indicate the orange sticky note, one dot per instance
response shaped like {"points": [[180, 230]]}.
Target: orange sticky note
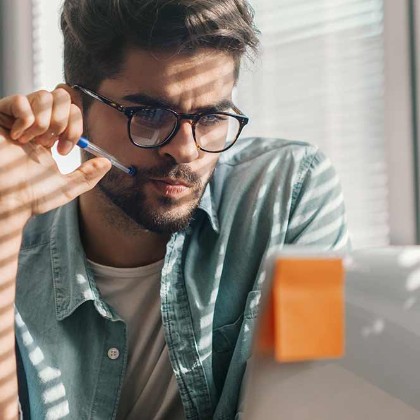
{"points": [[266, 335], [308, 309]]}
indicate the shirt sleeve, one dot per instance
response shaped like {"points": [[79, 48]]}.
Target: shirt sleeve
{"points": [[317, 215]]}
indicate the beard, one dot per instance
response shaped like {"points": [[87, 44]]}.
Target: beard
{"points": [[165, 215]]}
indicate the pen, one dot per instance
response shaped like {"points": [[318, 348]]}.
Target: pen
{"points": [[85, 144]]}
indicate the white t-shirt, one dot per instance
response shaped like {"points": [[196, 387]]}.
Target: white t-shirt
{"points": [[149, 389]]}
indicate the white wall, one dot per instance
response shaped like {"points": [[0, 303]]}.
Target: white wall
{"points": [[398, 124]]}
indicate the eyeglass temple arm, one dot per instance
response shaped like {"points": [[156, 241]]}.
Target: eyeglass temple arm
{"points": [[100, 98], [238, 111]]}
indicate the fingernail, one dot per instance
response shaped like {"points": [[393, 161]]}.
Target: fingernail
{"points": [[67, 146], [15, 135]]}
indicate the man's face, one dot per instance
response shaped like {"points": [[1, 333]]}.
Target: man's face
{"points": [[170, 180]]}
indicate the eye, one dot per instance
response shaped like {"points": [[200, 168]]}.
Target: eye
{"points": [[213, 119]]}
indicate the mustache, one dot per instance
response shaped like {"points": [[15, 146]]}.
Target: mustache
{"points": [[169, 170]]}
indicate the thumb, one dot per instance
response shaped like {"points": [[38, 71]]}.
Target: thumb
{"points": [[86, 176]]}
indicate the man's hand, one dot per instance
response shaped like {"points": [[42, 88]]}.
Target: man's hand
{"points": [[30, 183], [42, 117]]}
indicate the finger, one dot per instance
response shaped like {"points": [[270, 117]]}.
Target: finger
{"points": [[59, 118], [61, 111], [73, 131], [41, 103], [16, 115], [78, 182], [47, 139]]}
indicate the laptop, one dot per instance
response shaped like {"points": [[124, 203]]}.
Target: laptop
{"points": [[378, 377]]}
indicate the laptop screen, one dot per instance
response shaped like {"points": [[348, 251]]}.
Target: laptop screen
{"points": [[379, 375]]}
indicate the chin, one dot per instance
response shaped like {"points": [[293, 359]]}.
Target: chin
{"points": [[166, 224], [152, 215], [171, 220]]}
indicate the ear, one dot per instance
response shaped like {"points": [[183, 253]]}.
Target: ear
{"points": [[76, 95]]}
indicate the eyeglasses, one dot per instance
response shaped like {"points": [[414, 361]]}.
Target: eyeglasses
{"points": [[151, 127]]}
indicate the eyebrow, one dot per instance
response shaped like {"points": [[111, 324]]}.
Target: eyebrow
{"points": [[143, 99]]}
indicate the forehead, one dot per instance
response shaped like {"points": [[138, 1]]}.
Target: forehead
{"points": [[189, 81]]}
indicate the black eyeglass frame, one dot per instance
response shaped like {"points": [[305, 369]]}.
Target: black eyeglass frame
{"points": [[130, 111]]}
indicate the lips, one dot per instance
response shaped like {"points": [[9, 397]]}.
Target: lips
{"points": [[169, 187], [172, 182]]}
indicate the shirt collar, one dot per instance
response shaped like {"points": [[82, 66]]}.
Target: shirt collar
{"points": [[73, 280], [207, 205]]}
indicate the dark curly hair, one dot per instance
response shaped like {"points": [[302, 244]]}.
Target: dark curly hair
{"points": [[98, 32]]}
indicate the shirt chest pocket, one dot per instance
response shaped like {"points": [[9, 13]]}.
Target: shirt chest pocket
{"points": [[234, 340]]}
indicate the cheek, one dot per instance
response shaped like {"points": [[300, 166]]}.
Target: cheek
{"points": [[207, 163]]}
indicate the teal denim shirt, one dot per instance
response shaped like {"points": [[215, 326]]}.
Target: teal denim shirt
{"points": [[264, 193]]}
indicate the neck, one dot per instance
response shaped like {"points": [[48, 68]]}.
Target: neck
{"points": [[120, 243]]}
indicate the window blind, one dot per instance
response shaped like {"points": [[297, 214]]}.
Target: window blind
{"points": [[320, 78], [48, 61]]}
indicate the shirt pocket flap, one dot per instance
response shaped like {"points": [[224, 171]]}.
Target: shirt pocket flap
{"points": [[225, 337]]}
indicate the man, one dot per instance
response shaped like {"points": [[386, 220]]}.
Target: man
{"points": [[137, 298]]}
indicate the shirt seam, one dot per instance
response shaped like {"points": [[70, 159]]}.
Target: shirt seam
{"points": [[271, 150], [303, 172], [31, 246], [123, 371], [92, 410], [170, 331]]}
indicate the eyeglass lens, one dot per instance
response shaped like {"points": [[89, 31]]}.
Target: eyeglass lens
{"points": [[213, 132]]}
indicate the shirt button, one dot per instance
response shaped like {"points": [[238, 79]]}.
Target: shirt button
{"points": [[113, 353]]}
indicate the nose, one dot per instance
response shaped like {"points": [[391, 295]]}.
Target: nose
{"points": [[182, 147]]}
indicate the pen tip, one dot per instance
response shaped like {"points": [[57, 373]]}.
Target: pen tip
{"points": [[133, 170]]}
